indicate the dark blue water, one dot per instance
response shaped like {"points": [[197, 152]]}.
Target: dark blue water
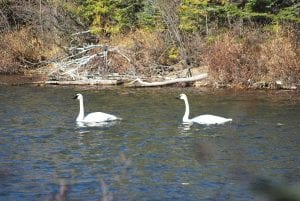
{"points": [[149, 155]]}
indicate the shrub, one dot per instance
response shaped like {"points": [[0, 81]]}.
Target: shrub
{"points": [[256, 57], [280, 55], [20, 50], [23, 49], [146, 50]]}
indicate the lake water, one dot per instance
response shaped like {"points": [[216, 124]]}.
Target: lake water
{"points": [[150, 154]]}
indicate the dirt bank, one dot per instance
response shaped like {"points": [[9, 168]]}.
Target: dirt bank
{"points": [[20, 79]]}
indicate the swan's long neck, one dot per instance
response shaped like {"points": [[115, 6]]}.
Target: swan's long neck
{"points": [[187, 111], [81, 111]]}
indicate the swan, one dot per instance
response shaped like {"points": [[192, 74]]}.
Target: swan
{"points": [[92, 117], [202, 119]]}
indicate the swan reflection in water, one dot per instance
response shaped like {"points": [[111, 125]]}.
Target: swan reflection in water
{"points": [[185, 129], [104, 124]]}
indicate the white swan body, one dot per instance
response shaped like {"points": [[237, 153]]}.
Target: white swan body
{"points": [[92, 117], [202, 119]]}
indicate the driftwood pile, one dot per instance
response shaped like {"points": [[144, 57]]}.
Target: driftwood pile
{"points": [[87, 62], [91, 65]]}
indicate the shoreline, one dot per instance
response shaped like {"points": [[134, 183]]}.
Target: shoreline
{"points": [[20, 79], [35, 79]]}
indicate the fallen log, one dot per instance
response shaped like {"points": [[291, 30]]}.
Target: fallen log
{"points": [[139, 82], [86, 82]]}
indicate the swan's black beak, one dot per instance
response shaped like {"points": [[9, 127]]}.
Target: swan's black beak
{"points": [[75, 97], [177, 97]]}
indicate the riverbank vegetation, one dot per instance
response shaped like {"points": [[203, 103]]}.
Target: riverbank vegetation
{"points": [[244, 43]]}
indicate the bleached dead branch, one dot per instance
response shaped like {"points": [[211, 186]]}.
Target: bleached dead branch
{"points": [[139, 82], [82, 32], [117, 50], [83, 61]]}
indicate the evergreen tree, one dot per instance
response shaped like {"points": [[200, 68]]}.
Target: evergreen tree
{"points": [[111, 16]]}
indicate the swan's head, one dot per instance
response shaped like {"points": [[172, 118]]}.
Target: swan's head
{"points": [[182, 97], [78, 96]]}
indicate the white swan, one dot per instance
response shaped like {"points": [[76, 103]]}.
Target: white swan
{"points": [[202, 119], [92, 117]]}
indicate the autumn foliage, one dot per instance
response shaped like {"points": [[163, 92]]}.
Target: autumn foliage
{"points": [[241, 42], [255, 58]]}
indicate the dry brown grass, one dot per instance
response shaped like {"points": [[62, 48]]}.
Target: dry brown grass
{"points": [[258, 57], [146, 49], [21, 50], [281, 57]]}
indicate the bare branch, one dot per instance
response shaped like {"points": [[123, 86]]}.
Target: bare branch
{"points": [[139, 82]]}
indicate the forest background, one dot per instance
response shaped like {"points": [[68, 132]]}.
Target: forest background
{"points": [[238, 42]]}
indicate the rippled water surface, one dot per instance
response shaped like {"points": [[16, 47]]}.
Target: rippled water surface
{"points": [[149, 155]]}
